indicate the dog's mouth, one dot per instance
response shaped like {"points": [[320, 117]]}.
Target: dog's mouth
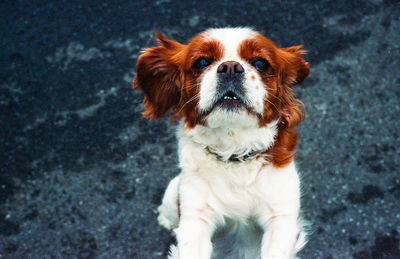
{"points": [[231, 101], [230, 96]]}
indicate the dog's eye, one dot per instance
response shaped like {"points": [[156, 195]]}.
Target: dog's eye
{"points": [[201, 63], [260, 64]]}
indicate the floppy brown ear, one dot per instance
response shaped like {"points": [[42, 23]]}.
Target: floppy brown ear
{"points": [[159, 77], [295, 69]]}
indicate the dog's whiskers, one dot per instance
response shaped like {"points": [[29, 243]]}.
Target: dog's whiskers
{"points": [[266, 99], [190, 100]]}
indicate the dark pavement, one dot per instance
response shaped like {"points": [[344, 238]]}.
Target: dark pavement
{"points": [[82, 173]]}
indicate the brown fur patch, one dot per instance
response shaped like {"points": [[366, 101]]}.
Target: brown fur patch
{"points": [[165, 75]]}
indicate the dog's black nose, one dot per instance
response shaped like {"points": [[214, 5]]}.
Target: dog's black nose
{"points": [[230, 78], [230, 68]]}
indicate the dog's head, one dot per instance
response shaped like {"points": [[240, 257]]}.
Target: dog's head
{"points": [[222, 77]]}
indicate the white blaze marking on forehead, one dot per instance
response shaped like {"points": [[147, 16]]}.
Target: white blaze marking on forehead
{"points": [[231, 38]]}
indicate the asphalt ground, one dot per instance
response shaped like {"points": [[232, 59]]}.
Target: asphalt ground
{"points": [[81, 172]]}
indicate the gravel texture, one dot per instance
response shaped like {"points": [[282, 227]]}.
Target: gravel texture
{"points": [[81, 172]]}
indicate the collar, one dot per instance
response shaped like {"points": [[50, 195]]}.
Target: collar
{"points": [[236, 158]]}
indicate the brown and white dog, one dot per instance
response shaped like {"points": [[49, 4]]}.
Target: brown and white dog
{"points": [[238, 195]]}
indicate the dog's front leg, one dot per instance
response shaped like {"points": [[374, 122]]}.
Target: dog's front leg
{"points": [[194, 238], [280, 217], [280, 238], [197, 221], [168, 210]]}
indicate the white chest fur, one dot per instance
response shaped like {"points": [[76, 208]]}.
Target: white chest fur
{"points": [[225, 140], [234, 190]]}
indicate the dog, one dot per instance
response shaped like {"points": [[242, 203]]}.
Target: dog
{"points": [[238, 193]]}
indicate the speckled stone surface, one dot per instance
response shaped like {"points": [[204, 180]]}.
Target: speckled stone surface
{"points": [[81, 172]]}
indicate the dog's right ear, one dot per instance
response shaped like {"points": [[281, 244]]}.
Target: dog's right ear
{"points": [[295, 69], [158, 75]]}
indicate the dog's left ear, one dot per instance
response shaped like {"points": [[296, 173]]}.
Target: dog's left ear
{"points": [[294, 68], [159, 77]]}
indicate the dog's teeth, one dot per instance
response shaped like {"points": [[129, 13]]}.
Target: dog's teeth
{"points": [[234, 98]]}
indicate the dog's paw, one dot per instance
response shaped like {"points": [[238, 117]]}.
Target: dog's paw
{"points": [[167, 220]]}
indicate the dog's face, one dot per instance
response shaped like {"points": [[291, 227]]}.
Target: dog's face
{"points": [[222, 77]]}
